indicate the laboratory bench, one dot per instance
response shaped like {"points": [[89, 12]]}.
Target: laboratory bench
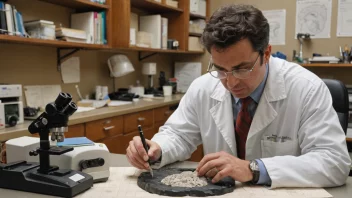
{"points": [[115, 126], [108, 115], [118, 160]]}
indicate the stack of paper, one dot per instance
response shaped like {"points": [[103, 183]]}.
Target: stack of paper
{"points": [[71, 35]]}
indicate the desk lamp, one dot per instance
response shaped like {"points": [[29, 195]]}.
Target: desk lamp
{"points": [[150, 70], [119, 65]]}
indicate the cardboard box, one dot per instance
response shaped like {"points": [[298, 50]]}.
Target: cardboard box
{"points": [[194, 44]]}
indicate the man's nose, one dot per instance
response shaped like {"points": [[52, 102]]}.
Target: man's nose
{"points": [[232, 81]]}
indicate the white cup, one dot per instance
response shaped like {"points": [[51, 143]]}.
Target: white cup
{"points": [[167, 89], [137, 90], [98, 92], [105, 91]]}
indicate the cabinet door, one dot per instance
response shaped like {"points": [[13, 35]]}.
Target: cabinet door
{"points": [[198, 154], [148, 134], [75, 131], [162, 114], [97, 130], [115, 144], [143, 118]]}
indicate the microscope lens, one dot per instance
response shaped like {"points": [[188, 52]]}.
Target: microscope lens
{"points": [[71, 108], [53, 136], [62, 100], [60, 137]]}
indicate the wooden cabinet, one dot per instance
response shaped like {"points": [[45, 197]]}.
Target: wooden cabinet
{"points": [[117, 132], [100, 129], [75, 131], [198, 154], [162, 114], [143, 118], [115, 144]]}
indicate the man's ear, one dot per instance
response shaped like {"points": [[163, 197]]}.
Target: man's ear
{"points": [[267, 54]]}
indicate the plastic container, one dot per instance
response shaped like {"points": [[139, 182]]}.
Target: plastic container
{"points": [[167, 90]]}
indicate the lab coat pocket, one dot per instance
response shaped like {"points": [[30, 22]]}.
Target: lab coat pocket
{"points": [[271, 149]]}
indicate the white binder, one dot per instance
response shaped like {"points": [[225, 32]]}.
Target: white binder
{"points": [[152, 25], [84, 21]]}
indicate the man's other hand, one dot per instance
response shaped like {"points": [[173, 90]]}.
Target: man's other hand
{"points": [[221, 164]]}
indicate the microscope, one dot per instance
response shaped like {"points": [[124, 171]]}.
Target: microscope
{"points": [[43, 178]]}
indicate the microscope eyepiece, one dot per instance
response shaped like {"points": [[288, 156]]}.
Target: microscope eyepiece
{"points": [[62, 100], [71, 108]]}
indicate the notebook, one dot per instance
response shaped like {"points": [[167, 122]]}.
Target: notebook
{"points": [[77, 141]]}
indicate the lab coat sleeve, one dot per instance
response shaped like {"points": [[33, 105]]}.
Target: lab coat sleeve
{"points": [[180, 135], [324, 159]]}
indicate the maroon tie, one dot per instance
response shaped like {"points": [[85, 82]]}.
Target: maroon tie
{"points": [[243, 123]]}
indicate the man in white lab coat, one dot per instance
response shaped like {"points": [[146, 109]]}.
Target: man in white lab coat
{"points": [[260, 119]]}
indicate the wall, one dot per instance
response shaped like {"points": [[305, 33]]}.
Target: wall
{"points": [[36, 65], [322, 46]]}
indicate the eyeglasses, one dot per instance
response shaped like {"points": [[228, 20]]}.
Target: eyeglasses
{"points": [[238, 73]]}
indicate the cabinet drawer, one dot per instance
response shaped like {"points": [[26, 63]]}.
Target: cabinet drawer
{"points": [[75, 131], [131, 121], [100, 129], [162, 113]]}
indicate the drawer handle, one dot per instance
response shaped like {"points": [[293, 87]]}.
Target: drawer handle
{"points": [[168, 113], [141, 119], [108, 128]]}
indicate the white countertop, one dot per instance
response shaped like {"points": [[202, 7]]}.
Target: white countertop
{"points": [[121, 161]]}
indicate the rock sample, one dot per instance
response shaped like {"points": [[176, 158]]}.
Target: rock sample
{"points": [[154, 184]]}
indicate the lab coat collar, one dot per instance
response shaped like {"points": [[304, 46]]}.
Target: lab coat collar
{"points": [[220, 92], [274, 91]]}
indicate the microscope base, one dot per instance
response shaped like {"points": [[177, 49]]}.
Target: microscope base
{"points": [[25, 177]]}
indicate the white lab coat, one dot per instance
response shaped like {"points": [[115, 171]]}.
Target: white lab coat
{"points": [[295, 103]]}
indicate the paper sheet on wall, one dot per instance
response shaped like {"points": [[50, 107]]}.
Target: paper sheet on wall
{"points": [[277, 22], [344, 18], [70, 70], [41, 95], [185, 73], [314, 17]]}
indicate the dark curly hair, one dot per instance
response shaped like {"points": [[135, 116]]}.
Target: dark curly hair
{"points": [[232, 23]]}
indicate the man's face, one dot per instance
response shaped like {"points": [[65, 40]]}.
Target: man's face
{"points": [[240, 56]]}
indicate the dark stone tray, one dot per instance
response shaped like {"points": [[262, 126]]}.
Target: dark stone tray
{"points": [[154, 185]]}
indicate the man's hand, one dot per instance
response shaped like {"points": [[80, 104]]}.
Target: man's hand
{"points": [[222, 164], [138, 157]]}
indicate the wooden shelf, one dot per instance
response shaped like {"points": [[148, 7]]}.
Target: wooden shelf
{"points": [[195, 34], [195, 52], [49, 43], [196, 16], [153, 6], [326, 65], [143, 49], [78, 4]]}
